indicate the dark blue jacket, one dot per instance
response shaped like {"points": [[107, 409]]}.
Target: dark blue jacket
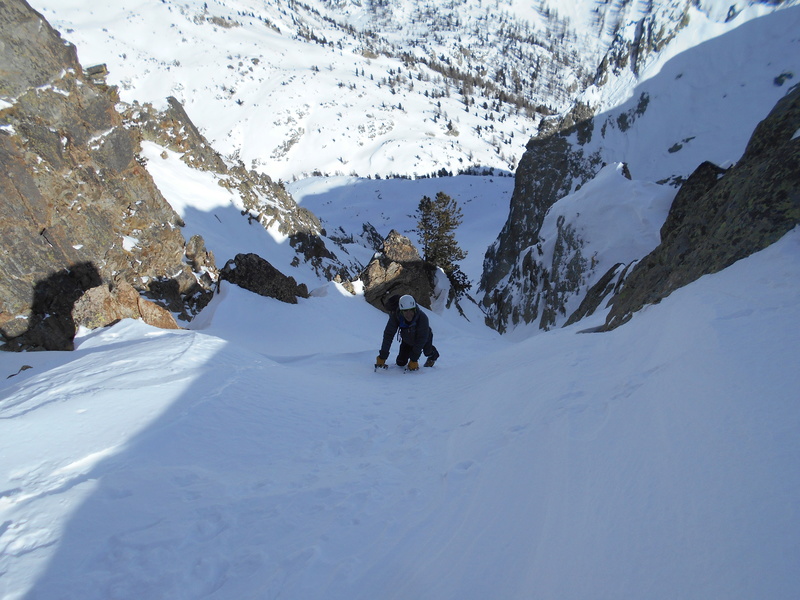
{"points": [[415, 334]]}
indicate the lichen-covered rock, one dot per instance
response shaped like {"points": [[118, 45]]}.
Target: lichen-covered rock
{"points": [[31, 52]]}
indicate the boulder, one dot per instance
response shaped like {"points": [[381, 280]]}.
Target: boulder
{"points": [[253, 273], [101, 306], [398, 269]]}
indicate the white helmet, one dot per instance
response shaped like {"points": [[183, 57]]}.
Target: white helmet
{"points": [[407, 302]]}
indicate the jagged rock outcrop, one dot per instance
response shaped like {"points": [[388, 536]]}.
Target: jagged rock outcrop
{"points": [[398, 269], [721, 216], [173, 129], [567, 152], [633, 45], [102, 306], [73, 198], [253, 273], [512, 280]]}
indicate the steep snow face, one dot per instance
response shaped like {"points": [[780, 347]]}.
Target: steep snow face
{"points": [[700, 98]]}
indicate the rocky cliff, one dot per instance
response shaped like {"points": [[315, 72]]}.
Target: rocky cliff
{"points": [[557, 160], [719, 217], [517, 287], [79, 211], [661, 131]]}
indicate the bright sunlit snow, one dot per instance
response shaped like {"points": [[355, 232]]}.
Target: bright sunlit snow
{"points": [[292, 108]]}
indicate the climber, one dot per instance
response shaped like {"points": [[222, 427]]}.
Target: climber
{"points": [[415, 335]]}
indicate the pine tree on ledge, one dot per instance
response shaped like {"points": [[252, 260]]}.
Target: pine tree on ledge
{"points": [[437, 221]]}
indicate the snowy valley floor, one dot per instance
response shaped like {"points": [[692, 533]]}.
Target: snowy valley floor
{"points": [[259, 455]]}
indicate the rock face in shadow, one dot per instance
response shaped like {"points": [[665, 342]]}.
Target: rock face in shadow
{"points": [[253, 273], [719, 217], [50, 325], [78, 211], [517, 289], [398, 269]]}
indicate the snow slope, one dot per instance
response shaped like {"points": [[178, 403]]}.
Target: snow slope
{"points": [[699, 100], [291, 92], [281, 102], [259, 456]]}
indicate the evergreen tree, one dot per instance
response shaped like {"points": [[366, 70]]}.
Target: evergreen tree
{"points": [[437, 221]]}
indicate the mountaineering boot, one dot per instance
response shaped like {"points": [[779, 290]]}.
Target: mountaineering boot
{"points": [[429, 362]]}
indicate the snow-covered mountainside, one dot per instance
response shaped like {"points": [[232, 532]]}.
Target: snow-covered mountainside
{"points": [[257, 455], [697, 99], [296, 89], [415, 88], [373, 88]]}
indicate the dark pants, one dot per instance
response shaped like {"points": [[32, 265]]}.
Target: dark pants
{"points": [[429, 350]]}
